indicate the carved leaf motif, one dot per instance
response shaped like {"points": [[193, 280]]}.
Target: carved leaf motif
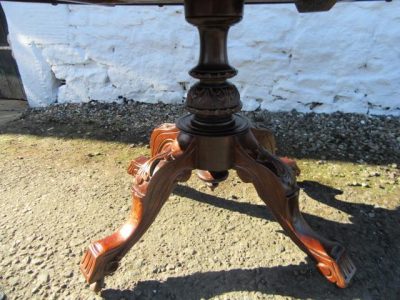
{"points": [[213, 97]]}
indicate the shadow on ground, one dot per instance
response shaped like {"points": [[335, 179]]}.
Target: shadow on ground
{"points": [[374, 251]]}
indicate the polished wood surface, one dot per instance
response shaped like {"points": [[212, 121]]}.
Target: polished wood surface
{"points": [[213, 139], [174, 2], [276, 185], [174, 156], [145, 2], [303, 6], [140, 2], [154, 180]]}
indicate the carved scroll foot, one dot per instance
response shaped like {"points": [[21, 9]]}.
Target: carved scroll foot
{"points": [[155, 179], [276, 185], [331, 257]]}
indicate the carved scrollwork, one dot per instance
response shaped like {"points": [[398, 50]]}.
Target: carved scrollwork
{"points": [[331, 257], [283, 171], [143, 169], [339, 271], [155, 178], [222, 98]]}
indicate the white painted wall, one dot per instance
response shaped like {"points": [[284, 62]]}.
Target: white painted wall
{"points": [[346, 60]]}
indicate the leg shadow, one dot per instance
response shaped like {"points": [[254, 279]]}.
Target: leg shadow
{"points": [[296, 281], [371, 234], [373, 243]]}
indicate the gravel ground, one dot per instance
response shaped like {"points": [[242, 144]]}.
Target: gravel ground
{"points": [[63, 184], [338, 136]]}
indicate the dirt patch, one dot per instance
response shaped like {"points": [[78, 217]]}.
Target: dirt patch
{"points": [[60, 192]]}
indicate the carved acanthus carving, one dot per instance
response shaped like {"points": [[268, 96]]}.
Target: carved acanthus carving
{"points": [[217, 99]]}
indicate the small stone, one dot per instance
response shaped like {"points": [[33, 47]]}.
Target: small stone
{"points": [[37, 261], [67, 252], [43, 277], [371, 214], [69, 274], [354, 183], [190, 251], [13, 282], [365, 185], [94, 154], [36, 289], [26, 260], [374, 174]]}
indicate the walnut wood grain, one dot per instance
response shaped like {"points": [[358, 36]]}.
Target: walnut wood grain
{"points": [[163, 137], [155, 179], [142, 2], [305, 5], [276, 186]]}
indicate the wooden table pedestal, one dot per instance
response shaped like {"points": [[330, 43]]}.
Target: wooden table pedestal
{"points": [[214, 139]]}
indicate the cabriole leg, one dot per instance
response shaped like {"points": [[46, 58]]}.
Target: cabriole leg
{"points": [[155, 179], [276, 185]]}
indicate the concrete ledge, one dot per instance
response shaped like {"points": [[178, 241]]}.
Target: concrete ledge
{"points": [[11, 110]]}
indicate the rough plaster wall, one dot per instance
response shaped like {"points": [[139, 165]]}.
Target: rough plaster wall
{"points": [[347, 59]]}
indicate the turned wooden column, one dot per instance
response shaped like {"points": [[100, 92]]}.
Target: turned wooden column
{"points": [[213, 101]]}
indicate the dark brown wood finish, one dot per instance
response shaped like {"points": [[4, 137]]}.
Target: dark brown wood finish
{"points": [[302, 6], [213, 139]]}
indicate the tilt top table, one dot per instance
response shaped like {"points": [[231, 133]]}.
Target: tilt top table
{"points": [[213, 138]]}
